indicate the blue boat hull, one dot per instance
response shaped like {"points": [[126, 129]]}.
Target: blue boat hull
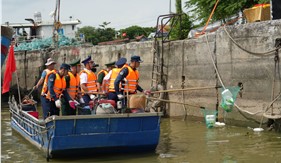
{"points": [[89, 134]]}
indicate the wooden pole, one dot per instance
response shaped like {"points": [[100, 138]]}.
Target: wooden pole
{"points": [[186, 89], [18, 89], [151, 98]]}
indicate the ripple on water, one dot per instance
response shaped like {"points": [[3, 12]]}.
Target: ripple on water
{"points": [[5, 157], [167, 155]]}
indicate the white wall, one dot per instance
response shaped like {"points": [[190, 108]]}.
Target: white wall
{"points": [[47, 31]]}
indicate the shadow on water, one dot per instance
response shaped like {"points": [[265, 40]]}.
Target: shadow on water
{"points": [[180, 142]]}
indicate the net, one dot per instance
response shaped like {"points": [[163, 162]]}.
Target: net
{"points": [[228, 99]]}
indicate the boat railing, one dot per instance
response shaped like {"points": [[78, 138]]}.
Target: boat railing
{"points": [[94, 116], [29, 124]]}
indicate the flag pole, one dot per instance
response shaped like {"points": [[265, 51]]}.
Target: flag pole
{"points": [[17, 78]]}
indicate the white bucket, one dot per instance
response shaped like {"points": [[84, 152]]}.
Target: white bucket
{"points": [[105, 108]]}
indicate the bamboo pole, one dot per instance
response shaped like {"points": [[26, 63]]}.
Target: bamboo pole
{"points": [[186, 89], [18, 89], [176, 102]]}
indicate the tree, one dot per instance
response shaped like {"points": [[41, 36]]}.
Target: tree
{"points": [[181, 29], [104, 24], [134, 31], [89, 33], [95, 36], [201, 9]]}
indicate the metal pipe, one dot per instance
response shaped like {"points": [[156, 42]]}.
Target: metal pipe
{"points": [[169, 101]]}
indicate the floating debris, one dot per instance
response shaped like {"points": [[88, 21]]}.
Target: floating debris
{"points": [[258, 129], [167, 155], [219, 124]]}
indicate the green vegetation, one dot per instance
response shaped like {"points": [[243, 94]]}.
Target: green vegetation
{"points": [[102, 34], [96, 35], [180, 32]]}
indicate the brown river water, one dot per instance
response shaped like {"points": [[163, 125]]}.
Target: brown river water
{"points": [[180, 142]]}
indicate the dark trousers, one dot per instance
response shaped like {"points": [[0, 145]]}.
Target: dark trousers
{"points": [[53, 109], [86, 99], [45, 106], [66, 109], [112, 96]]}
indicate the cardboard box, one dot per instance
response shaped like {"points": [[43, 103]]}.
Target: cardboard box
{"points": [[257, 13]]}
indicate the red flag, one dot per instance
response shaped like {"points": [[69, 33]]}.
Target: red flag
{"points": [[10, 68]]}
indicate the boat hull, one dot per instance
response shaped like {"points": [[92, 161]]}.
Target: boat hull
{"points": [[89, 134]]}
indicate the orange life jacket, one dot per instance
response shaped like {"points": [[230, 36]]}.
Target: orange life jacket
{"points": [[59, 86], [106, 82], [73, 85], [132, 80], [45, 84], [113, 76], [91, 82]]}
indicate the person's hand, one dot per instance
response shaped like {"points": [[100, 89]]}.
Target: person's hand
{"points": [[120, 97], [58, 103], [147, 92], [92, 97], [76, 102], [72, 104], [81, 100], [35, 87]]}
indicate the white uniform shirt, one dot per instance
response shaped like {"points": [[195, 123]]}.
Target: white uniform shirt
{"points": [[107, 77], [83, 77]]}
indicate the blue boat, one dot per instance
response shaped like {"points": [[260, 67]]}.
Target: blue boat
{"points": [[87, 134]]}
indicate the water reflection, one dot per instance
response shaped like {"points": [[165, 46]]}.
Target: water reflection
{"points": [[180, 142]]}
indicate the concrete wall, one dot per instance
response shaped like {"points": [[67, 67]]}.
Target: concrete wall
{"points": [[189, 58]]}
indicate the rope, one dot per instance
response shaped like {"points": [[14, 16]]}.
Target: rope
{"points": [[276, 60], [211, 15], [263, 54], [217, 71], [185, 89]]}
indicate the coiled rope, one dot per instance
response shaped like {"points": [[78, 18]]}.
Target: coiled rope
{"points": [[263, 54]]}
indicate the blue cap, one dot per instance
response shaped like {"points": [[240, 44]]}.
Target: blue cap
{"points": [[121, 62], [88, 59], [136, 58], [65, 66]]}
